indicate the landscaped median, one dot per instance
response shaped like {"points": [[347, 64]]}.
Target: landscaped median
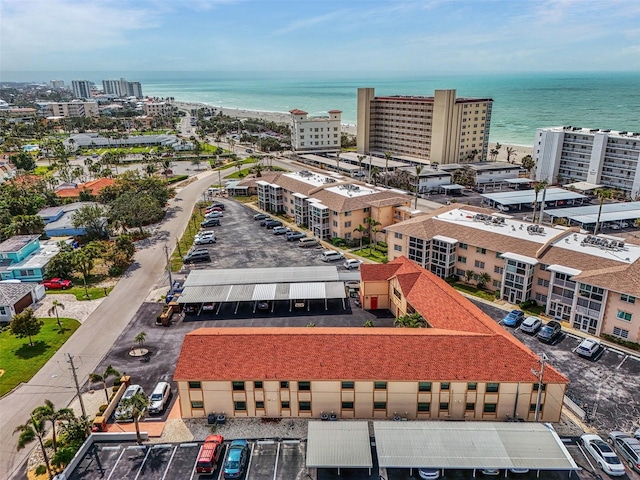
{"points": [[94, 292], [19, 361], [185, 243]]}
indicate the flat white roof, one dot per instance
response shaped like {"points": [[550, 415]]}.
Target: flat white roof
{"points": [[518, 229], [563, 269], [582, 186], [515, 197], [470, 445], [375, 161], [349, 190], [262, 292], [343, 444], [518, 180], [238, 276], [611, 212], [520, 258]]}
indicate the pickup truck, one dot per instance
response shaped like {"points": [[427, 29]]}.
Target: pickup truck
{"points": [[57, 284]]}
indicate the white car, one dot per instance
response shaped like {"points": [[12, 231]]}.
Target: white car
{"points": [[603, 454], [205, 237], [531, 324], [352, 263], [588, 348], [429, 473]]}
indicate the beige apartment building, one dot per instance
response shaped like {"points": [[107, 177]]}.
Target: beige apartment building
{"points": [[589, 282], [330, 205], [75, 108], [155, 109], [442, 128], [318, 134], [452, 370]]}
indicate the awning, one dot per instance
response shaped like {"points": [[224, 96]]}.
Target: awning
{"points": [[582, 186], [444, 239], [339, 445], [563, 269], [470, 445], [453, 186], [520, 258]]}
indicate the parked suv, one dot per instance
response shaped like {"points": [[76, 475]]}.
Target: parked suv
{"points": [[549, 332], [331, 255], [198, 255], [292, 236], [628, 448], [273, 223], [352, 263], [125, 414], [210, 222], [160, 397]]}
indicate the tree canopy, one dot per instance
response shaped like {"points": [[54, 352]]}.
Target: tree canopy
{"points": [[25, 325]]}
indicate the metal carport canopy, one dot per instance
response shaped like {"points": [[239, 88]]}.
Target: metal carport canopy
{"points": [[470, 445], [263, 291], [517, 197], [339, 445]]}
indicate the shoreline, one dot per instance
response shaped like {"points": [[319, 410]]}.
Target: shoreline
{"points": [[284, 117]]}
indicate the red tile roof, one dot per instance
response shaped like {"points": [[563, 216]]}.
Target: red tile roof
{"points": [[94, 186], [297, 112], [354, 354]]}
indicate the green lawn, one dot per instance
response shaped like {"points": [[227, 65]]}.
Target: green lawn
{"points": [[371, 254], [20, 361], [475, 291], [78, 291], [186, 241], [241, 174]]}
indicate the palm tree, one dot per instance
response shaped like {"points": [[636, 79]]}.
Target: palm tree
{"points": [[103, 377], [48, 413], [375, 175], [34, 428], [601, 193], [511, 152], [360, 159], [418, 172], [360, 229], [482, 279], [537, 187], [468, 275], [387, 157], [371, 223], [139, 339], [412, 320], [138, 404], [55, 305], [374, 231]]}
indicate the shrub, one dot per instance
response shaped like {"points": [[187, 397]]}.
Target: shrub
{"points": [[177, 178], [117, 382], [41, 469], [620, 341], [102, 408], [48, 443], [381, 248], [383, 244], [115, 388]]}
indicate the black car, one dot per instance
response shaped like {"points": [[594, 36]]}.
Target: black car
{"points": [[217, 205], [260, 216], [273, 223], [211, 222], [550, 332], [197, 256]]}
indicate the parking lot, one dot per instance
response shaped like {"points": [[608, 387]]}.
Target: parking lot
{"points": [[269, 460]]}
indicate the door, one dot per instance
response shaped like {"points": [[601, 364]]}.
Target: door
{"points": [[374, 303], [513, 297]]}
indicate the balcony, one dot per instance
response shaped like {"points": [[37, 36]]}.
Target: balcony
{"points": [[588, 312]]}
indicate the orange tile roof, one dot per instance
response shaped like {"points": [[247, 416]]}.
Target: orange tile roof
{"points": [[297, 112], [94, 186], [355, 354]]}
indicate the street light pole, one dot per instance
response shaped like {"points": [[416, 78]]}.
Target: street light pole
{"points": [[543, 361]]}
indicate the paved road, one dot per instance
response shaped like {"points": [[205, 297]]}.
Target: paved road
{"points": [[90, 343]]}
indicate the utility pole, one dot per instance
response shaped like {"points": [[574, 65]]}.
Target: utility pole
{"points": [[540, 375], [166, 256], [75, 379]]}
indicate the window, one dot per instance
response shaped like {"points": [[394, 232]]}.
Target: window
{"points": [[479, 264], [489, 408], [3, 311], [347, 214], [347, 385], [532, 407], [498, 269], [238, 386], [397, 293], [335, 223], [259, 405], [304, 406], [304, 386], [472, 386], [424, 386], [347, 224], [543, 283], [462, 259], [257, 385], [240, 406], [628, 298], [445, 386], [492, 387], [195, 385], [397, 248], [197, 404], [620, 332], [624, 315], [470, 407], [347, 405], [284, 384], [284, 405], [496, 283], [397, 235], [498, 254], [536, 386], [444, 406], [380, 385], [463, 246], [483, 251], [424, 407], [379, 405]]}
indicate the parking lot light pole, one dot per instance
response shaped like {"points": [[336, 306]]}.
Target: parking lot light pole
{"points": [[540, 374]]}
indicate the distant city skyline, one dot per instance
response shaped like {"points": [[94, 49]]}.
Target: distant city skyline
{"points": [[329, 35]]}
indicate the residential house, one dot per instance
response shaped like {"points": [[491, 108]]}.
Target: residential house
{"points": [[16, 296], [22, 257]]}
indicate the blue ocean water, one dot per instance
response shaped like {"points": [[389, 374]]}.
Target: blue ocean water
{"points": [[522, 102]]}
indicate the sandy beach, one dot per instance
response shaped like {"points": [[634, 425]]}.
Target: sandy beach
{"points": [[284, 117]]}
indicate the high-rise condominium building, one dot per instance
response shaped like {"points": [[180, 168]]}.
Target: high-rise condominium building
{"points": [[442, 128], [134, 89], [81, 88], [122, 88], [315, 134], [599, 157], [57, 83], [112, 87]]}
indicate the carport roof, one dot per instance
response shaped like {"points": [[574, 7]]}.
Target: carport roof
{"points": [[517, 197], [339, 445], [239, 276], [263, 291], [611, 212], [468, 445]]}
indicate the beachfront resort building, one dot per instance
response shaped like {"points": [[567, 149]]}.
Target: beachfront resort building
{"points": [[454, 369], [588, 281], [122, 88], [330, 205], [81, 88], [442, 128], [320, 134], [599, 157]]}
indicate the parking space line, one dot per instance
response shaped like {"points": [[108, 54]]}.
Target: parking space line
{"points": [[275, 468], [116, 464], [250, 459], [623, 360], [166, 470], [142, 464]]}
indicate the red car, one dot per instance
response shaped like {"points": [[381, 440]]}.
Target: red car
{"points": [[209, 454], [57, 284]]}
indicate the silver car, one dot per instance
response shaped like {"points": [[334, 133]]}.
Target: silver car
{"points": [[123, 413], [531, 325], [603, 454]]}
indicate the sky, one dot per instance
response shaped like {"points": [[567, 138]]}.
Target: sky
{"points": [[446, 36]]}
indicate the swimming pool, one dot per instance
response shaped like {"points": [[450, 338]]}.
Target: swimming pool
{"points": [[30, 148]]}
